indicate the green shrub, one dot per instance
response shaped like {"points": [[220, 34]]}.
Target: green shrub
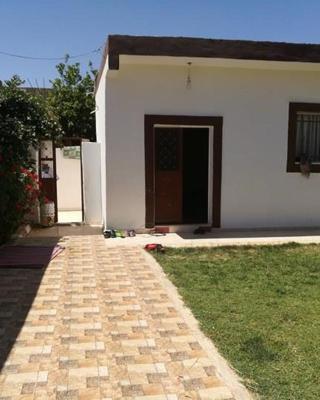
{"points": [[24, 120]]}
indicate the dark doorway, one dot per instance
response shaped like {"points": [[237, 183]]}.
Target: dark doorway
{"points": [[177, 181], [195, 175], [181, 175]]}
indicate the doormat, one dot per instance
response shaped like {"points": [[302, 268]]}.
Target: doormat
{"points": [[28, 256]]}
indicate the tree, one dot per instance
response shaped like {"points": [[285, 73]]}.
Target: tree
{"points": [[72, 101], [24, 120]]}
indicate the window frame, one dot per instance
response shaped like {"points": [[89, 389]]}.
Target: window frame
{"points": [[294, 109]]}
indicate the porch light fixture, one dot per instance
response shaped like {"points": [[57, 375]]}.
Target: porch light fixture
{"points": [[188, 81]]}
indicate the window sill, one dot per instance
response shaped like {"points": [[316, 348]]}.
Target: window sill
{"points": [[315, 168]]}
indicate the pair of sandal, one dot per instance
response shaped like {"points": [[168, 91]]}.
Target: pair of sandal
{"points": [[113, 233]]}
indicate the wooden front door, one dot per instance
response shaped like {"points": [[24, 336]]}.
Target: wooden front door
{"points": [[162, 205], [168, 175]]}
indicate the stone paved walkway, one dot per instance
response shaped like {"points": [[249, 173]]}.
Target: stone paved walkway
{"points": [[99, 323]]}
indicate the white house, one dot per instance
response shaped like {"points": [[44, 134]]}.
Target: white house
{"points": [[209, 132]]}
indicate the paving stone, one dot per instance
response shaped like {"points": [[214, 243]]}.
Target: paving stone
{"points": [[97, 323], [156, 378], [93, 382], [179, 356], [68, 395], [193, 384], [132, 390], [123, 360], [28, 388]]}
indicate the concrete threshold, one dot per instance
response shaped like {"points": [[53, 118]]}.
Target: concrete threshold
{"points": [[223, 237]]}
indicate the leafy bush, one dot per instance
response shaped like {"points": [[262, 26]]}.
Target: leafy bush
{"points": [[18, 199], [24, 120]]}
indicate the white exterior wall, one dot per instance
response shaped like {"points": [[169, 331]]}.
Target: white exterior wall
{"points": [[100, 98], [256, 189]]}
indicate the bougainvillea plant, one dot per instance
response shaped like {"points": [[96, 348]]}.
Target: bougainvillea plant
{"points": [[24, 120]]}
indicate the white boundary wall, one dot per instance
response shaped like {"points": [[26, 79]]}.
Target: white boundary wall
{"points": [[91, 170]]}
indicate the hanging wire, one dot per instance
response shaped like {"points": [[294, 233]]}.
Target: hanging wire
{"points": [[51, 58]]}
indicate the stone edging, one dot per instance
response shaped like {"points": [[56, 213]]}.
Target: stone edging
{"points": [[224, 370]]}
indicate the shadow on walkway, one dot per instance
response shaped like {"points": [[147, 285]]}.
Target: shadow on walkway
{"points": [[18, 288]]}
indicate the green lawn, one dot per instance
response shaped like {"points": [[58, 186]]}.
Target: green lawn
{"points": [[261, 307]]}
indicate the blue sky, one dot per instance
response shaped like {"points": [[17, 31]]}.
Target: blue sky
{"points": [[52, 28]]}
